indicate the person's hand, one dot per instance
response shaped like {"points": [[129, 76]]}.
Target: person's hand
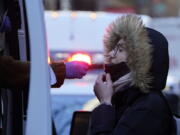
{"points": [[103, 88], [76, 69]]}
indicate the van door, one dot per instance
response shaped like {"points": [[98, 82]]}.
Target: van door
{"points": [[39, 110]]}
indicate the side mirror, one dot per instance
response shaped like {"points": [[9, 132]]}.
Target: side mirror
{"points": [[80, 124]]}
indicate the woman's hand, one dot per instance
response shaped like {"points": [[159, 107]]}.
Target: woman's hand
{"points": [[103, 88]]}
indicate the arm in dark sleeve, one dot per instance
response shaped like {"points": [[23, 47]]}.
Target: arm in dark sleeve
{"points": [[60, 72], [14, 73], [133, 122]]}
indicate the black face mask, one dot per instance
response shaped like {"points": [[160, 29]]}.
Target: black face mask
{"points": [[116, 70]]}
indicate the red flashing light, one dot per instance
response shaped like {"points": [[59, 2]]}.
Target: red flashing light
{"points": [[81, 57]]}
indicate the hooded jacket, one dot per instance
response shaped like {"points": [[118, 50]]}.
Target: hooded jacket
{"points": [[137, 108]]}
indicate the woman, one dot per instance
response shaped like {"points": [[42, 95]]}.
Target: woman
{"points": [[137, 62]]}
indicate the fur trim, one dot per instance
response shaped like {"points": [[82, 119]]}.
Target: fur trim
{"points": [[137, 45]]}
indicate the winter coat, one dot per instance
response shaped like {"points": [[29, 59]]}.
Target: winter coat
{"points": [[133, 113], [137, 108]]}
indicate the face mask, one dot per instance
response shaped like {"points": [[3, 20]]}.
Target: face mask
{"points": [[116, 70], [5, 25]]}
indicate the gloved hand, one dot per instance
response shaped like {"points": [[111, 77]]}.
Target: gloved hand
{"points": [[76, 69]]}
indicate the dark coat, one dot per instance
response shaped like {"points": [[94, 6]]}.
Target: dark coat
{"points": [[135, 112]]}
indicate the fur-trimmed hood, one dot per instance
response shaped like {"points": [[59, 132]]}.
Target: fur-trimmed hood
{"points": [[144, 47]]}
